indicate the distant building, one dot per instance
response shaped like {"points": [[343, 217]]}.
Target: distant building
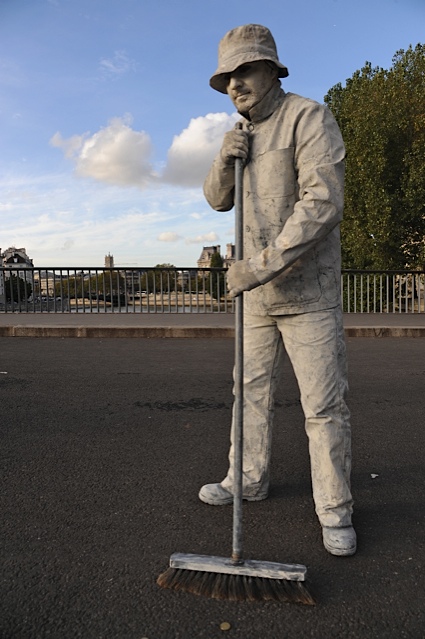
{"points": [[208, 251], [109, 261], [206, 255], [230, 255], [13, 258]]}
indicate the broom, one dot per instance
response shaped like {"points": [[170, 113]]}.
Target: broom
{"points": [[235, 578]]}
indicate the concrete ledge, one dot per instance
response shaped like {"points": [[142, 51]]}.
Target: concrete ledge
{"points": [[385, 331], [185, 325], [104, 332]]}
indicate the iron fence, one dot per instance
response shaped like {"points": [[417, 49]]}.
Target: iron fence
{"points": [[383, 291], [182, 290], [113, 290]]}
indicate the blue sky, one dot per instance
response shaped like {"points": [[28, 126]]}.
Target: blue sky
{"points": [[108, 124]]}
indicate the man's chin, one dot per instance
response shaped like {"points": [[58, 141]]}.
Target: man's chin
{"points": [[243, 104]]}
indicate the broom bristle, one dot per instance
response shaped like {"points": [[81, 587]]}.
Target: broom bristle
{"points": [[217, 585]]}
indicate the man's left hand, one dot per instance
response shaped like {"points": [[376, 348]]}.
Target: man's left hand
{"points": [[240, 278]]}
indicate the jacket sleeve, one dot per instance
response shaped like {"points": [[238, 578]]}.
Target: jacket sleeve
{"points": [[319, 166], [219, 185]]}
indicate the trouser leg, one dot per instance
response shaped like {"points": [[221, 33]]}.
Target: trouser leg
{"points": [[315, 345], [263, 351]]}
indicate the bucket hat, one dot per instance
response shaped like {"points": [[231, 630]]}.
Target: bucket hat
{"points": [[248, 43]]}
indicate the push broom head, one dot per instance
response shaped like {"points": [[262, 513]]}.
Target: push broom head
{"points": [[219, 578]]}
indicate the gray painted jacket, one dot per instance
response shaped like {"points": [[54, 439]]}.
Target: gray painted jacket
{"points": [[293, 202]]}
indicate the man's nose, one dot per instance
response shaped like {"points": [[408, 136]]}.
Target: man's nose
{"points": [[234, 82]]}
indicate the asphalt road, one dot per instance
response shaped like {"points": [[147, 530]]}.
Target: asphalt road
{"points": [[105, 444]]}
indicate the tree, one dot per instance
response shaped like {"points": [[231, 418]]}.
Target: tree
{"points": [[162, 280], [17, 288], [108, 282], [216, 277], [382, 118]]}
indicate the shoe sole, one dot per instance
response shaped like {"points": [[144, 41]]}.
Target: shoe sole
{"points": [[225, 502], [341, 552]]}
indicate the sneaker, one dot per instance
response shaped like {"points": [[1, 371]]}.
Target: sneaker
{"points": [[216, 495], [340, 541]]}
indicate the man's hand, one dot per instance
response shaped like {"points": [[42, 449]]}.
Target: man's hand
{"points": [[235, 145], [240, 278]]}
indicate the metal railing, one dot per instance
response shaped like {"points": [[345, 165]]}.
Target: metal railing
{"points": [[113, 290], [383, 291], [182, 290]]}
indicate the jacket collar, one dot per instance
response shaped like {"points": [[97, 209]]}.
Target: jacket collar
{"points": [[263, 109]]}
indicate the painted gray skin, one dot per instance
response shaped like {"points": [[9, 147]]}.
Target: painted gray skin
{"points": [[293, 204]]}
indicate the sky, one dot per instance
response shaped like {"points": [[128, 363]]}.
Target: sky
{"points": [[108, 124]]}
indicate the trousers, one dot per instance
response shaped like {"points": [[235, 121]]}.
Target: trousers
{"points": [[315, 345]]}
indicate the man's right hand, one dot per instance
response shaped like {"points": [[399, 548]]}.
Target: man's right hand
{"points": [[235, 145]]}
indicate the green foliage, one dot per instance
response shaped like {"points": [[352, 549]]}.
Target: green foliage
{"points": [[79, 286], [216, 260], [17, 288], [216, 281], [162, 280], [382, 118]]}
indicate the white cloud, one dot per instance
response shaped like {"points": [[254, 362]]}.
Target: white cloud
{"points": [[192, 152], [62, 222], [169, 237], [200, 239], [71, 147], [116, 154], [119, 155], [118, 65], [68, 244], [81, 222]]}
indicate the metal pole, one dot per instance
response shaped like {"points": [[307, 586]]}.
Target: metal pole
{"points": [[238, 416]]}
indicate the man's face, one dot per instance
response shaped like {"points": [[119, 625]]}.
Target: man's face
{"points": [[249, 83]]}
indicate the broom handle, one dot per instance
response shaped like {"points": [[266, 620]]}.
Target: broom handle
{"points": [[238, 417]]}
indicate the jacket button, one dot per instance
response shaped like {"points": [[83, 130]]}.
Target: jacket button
{"points": [[247, 229]]}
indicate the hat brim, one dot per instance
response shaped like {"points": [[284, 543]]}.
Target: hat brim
{"points": [[219, 80]]}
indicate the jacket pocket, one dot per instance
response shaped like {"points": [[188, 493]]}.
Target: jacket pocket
{"points": [[298, 285], [275, 173]]}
